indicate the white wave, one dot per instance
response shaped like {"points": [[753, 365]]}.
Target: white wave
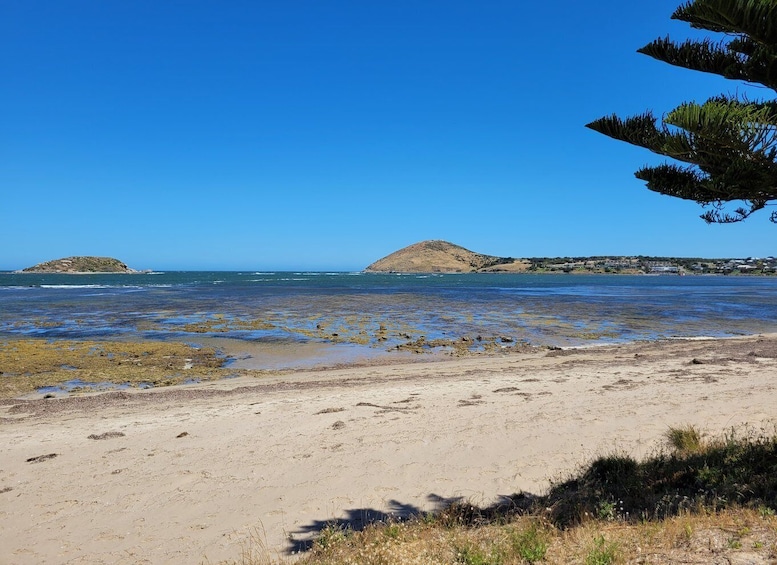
{"points": [[102, 286], [78, 286], [319, 274]]}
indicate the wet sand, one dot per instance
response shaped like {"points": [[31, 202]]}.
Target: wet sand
{"points": [[188, 474]]}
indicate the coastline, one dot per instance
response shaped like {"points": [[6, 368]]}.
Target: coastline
{"points": [[410, 273], [129, 272], [187, 473], [38, 368]]}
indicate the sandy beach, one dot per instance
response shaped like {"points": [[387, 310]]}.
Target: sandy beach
{"points": [[189, 474]]}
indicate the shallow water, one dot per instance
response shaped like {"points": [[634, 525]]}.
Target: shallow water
{"points": [[312, 315]]}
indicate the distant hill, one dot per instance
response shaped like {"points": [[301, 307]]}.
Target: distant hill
{"points": [[436, 256], [81, 265]]}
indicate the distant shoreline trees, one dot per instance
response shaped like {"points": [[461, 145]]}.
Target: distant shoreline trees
{"points": [[728, 144]]}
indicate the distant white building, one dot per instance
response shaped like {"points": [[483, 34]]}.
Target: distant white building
{"points": [[664, 269]]}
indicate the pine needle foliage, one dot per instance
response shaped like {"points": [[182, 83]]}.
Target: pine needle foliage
{"points": [[726, 146]]}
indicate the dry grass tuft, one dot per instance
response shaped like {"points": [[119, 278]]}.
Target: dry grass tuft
{"points": [[686, 439]]}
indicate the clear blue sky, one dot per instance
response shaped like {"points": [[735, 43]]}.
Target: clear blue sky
{"points": [[290, 134]]}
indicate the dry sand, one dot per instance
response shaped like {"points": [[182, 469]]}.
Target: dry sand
{"points": [[188, 474]]}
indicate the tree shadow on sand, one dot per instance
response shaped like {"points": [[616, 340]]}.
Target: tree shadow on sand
{"points": [[354, 519], [357, 519]]}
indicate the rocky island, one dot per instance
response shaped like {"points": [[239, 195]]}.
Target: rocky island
{"points": [[437, 256], [78, 265]]}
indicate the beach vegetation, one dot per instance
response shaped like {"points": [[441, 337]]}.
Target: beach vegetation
{"points": [[723, 149], [602, 552], [685, 439], [531, 542], [678, 505], [332, 535], [472, 554]]}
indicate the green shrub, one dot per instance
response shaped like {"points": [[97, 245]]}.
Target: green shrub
{"points": [[729, 472]]}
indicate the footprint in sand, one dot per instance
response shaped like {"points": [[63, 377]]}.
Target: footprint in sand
{"points": [[329, 411], [40, 458], [106, 435]]}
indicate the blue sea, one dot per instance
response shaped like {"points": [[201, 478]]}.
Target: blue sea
{"points": [[377, 312]]}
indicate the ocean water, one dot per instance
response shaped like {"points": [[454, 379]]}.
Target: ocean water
{"points": [[377, 312]]}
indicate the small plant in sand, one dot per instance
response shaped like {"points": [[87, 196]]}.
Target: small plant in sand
{"points": [[332, 535], [685, 439], [602, 552], [471, 554], [393, 530], [605, 510], [531, 543]]}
